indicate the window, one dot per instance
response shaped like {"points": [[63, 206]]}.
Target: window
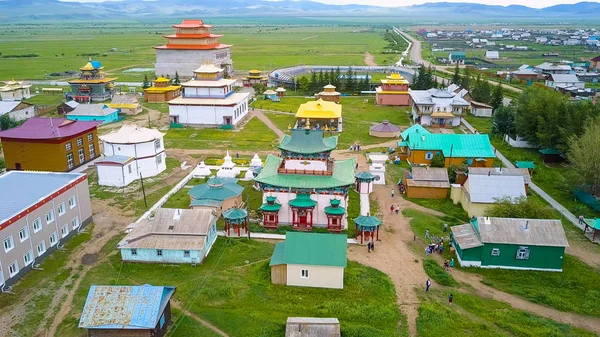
{"points": [[304, 273], [53, 239], [90, 137], [37, 225], [68, 146], [72, 202], [186, 253], [157, 144], [70, 160], [495, 251], [92, 151], [429, 155], [523, 253], [28, 258], [75, 222], [23, 234], [8, 244], [79, 141], [133, 251], [81, 155], [49, 217], [41, 248], [13, 268], [129, 167], [61, 209], [159, 252], [64, 230], [159, 159]]}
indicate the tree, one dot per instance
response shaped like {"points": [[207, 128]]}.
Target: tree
{"points": [[225, 73], [539, 113], [321, 80], [438, 160], [297, 84], [465, 81], [481, 90], [8, 123], [176, 81], [456, 76], [337, 79], [146, 83], [259, 88], [303, 84], [503, 121], [520, 207], [2, 164], [584, 156], [314, 83], [497, 97], [349, 83]]}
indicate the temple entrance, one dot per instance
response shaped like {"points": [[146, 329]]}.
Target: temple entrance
{"points": [[227, 120], [302, 219]]}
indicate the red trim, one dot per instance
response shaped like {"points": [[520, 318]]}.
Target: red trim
{"points": [[193, 47], [192, 36], [149, 156], [41, 203]]}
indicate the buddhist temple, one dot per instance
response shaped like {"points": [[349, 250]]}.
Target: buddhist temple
{"points": [[393, 91], [209, 100], [162, 91], [321, 115], [92, 85], [254, 76], [15, 91], [304, 187], [191, 44], [329, 94]]}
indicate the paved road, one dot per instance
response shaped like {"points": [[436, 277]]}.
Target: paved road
{"points": [[565, 212]]}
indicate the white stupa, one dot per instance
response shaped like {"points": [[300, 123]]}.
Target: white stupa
{"points": [[201, 171], [256, 162], [228, 169]]}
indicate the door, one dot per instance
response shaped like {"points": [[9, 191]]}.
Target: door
{"points": [[227, 120], [441, 121], [18, 166]]}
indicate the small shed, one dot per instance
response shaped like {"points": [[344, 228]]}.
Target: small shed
{"points": [[529, 165], [509, 243], [67, 107], [592, 228], [94, 112], [269, 94], [128, 311], [312, 327], [481, 110], [551, 155], [427, 183], [280, 91], [384, 129]]}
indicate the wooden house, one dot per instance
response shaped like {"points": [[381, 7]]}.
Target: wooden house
{"points": [[17, 110], [312, 327], [551, 155], [427, 183], [481, 109], [66, 107], [310, 260], [127, 311], [523, 244]]}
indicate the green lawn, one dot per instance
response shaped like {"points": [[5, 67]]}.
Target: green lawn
{"points": [[47, 99], [437, 273], [232, 290], [452, 211], [282, 120]]}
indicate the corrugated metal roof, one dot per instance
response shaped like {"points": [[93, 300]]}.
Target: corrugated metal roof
{"points": [[92, 110], [132, 134], [125, 99], [454, 145], [501, 171], [417, 128], [277, 257], [124, 307], [308, 142], [485, 189], [466, 236], [206, 202], [537, 232], [315, 249], [429, 177], [49, 128], [6, 107], [115, 159], [565, 78], [385, 126], [216, 189], [35, 186]]}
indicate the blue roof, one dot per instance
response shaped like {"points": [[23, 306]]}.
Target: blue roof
{"points": [[217, 189], [96, 64], [124, 307], [37, 185], [206, 202], [414, 129], [115, 159]]}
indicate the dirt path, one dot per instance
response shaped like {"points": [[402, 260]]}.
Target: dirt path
{"points": [[370, 60], [260, 115], [193, 316], [576, 249], [308, 38]]}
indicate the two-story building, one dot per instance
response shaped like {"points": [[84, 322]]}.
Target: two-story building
{"points": [[40, 212], [50, 144], [437, 107], [393, 91]]}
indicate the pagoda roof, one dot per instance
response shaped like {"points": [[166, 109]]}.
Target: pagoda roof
{"points": [[162, 80], [367, 221], [217, 189], [343, 175], [208, 68], [394, 78], [335, 208], [319, 109], [308, 142], [158, 90], [254, 71], [91, 65], [302, 201], [192, 36], [192, 24], [193, 46], [94, 81], [235, 214]]}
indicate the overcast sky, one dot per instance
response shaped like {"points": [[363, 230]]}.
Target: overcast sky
{"points": [[394, 3]]}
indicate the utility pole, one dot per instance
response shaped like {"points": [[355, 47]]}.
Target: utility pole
{"points": [[143, 190]]}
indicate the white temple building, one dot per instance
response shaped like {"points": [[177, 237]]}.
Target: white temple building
{"points": [[15, 91], [228, 168]]}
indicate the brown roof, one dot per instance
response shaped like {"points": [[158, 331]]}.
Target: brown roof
{"points": [[502, 171], [428, 177], [536, 232], [125, 99], [481, 105]]}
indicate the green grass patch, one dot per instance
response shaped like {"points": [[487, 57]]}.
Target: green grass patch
{"points": [[185, 326], [282, 120], [46, 99], [446, 206], [438, 274]]}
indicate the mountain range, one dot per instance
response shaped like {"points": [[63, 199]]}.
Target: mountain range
{"points": [[25, 10]]}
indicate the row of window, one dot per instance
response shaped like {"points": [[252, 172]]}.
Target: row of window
{"points": [[79, 141], [81, 154], [159, 252], [240, 110], [522, 253], [13, 268], [221, 55]]}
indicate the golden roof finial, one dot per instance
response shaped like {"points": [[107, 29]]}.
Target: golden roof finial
{"points": [[307, 125]]}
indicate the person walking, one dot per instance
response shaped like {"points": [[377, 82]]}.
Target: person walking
{"points": [[427, 234], [427, 285], [393, 192], [397, 209], [450, 298], [369, 246], [445, 227], [373, 245], [581, 219], [452, 263], [392, 209]]}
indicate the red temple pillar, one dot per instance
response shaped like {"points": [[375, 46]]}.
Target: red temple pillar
{"points": [[356, 236], [377, 233], [227, 228], [362, 235]]}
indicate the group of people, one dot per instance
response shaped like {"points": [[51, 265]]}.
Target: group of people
{"points": [[436, 244], [395, 209], [448, 264], [355, 147]]}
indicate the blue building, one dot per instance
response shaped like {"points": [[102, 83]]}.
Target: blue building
{"points": [[127, 311], [94, 112], [171, 236]]}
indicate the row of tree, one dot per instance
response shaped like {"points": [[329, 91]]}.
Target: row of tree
{"points": [[348, 82], [480, 89]]}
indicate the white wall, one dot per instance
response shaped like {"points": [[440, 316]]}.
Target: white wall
{"points": [[208, 115], [116, 175], [518, 142], [148, 165], [317, 165], [22, 114], [319, 216], [318, 276], [205, 92], [16, 95], [186, 61], [481, 112]]}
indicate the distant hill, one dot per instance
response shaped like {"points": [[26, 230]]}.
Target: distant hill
{"points": [[25, 10]]}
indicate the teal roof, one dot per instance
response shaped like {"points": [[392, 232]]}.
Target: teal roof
{"points": [[458, 54], [454, 145], [314, 249], [235, 214], [216, 189], [594, 223], [525, 164], [302, 200], [335, 210], [402, 144], [307, 142], [367, 221], [366, 175], [273, 207], [206, 202], [343, 175], [277, 257], [414, 129], [549, 150]]}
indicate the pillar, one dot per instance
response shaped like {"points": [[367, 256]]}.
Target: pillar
{"points": [[377, 233]]}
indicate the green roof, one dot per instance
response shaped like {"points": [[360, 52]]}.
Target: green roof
{"points": [[365, 176], [594, 223], [277, 257], [525, 164], [549, 150], [235, 214], [343, 175], [274, 207], [337, 210], [454, 145], [458, 54], [414, 129], [308, 142], [314, 249], [217, 189], [302, 200], [367, 221], [206, 202], [402, 144]]}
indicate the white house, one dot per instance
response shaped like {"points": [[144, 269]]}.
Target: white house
{"points": [[130, 152], [481, 110], [564, 80], [481, 191], [437, 107], [17, 110], [15, 91], [492, 55], [209, 100]]}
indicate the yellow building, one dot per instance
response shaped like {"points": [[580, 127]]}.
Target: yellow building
{"points": [[320, 115], [254, 76], [127, 103], [162, 91]]}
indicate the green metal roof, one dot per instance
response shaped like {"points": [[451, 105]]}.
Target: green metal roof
{"points": [[458, 54], [402, 144], [303, 200], [454, 145], [266, 207], [365, 176], [206, 202], [315, 249], [525, 164], [367, 221], [277, 257], [216, 189], [343, 175], [308, 142], [335, 210], [414, 129], [549, 150], [594, 223], [235, 214]]}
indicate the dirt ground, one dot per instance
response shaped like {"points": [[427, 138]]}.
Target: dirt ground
{"points": [[370, 59]]}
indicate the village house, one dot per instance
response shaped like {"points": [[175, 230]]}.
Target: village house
{"points": [[481, 191], [548, 68], [503, 171], [328, 94], [66, 107], [492, 55], [17, 110], [393, 91], [50, 144], [127, 311], [217, 194], [162, 91], [171, 236], [50, 209], [129, 153], [93, 112], [305, 181], [128, 104], [525, 73], [595, 63], [521, 244], [427, 182], [437, 107], [92, 85], [481, 109], [310, 260], [312, 327], [564, 81], [15, 91], [320, 114], [457, 57]]}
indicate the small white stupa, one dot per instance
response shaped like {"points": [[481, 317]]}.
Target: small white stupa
{"points": [[201, 171], [256, 162], [228, 169]]}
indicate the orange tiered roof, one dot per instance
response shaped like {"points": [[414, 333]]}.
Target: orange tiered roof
{"points": [[193, 46], [192, 24], [191, 36]]}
